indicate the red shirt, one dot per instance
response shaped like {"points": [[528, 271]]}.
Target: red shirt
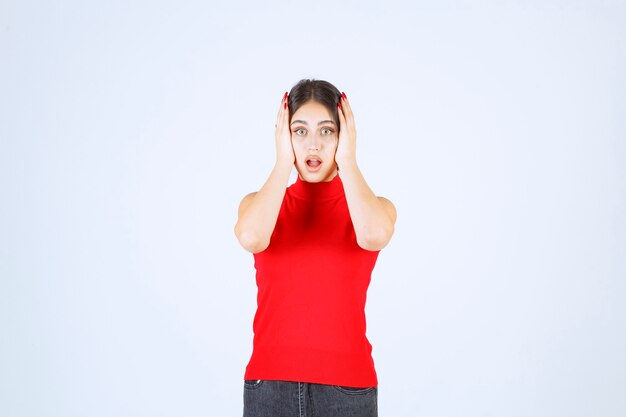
{"points": [[312, 283]]}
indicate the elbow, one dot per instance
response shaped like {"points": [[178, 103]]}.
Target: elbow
{"points": [[250, 240], [374, 239]]}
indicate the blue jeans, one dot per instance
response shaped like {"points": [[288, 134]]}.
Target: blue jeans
{"points": [[264, 398]]}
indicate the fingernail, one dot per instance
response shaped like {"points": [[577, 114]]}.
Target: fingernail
{"points": [[285, 96], [344, 95], [285, 104], [339, 104]]}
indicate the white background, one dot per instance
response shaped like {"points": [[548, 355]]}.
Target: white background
{"points": [[129, 132]]}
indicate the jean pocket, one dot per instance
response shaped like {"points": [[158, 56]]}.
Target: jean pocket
{"points": [[353, 390], [252, 383]]}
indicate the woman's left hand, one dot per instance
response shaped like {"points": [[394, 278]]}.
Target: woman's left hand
{"points": [[346, 148]]}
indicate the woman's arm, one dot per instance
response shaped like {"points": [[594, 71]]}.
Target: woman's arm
{"points": [[373, 217], [258, 211]]}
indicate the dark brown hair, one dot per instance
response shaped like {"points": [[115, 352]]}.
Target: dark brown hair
{"points": [[320, 91]]}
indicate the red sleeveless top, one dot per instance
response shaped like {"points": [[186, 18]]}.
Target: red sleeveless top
{"points": [[312, 282]]}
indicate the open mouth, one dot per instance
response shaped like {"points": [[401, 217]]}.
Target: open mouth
{"points": [[313, 163]]}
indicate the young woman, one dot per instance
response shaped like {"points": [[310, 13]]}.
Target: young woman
{"points": [[315, 244]]}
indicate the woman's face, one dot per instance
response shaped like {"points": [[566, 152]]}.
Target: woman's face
{"points": [[314, 138]]}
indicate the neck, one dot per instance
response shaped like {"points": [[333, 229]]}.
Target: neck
{"points": [[323, 190], [329, 178]]}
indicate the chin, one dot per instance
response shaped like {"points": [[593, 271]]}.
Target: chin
{"points": [[318, 176]]}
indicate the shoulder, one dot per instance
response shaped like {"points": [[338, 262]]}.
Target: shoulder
{"points": [[390, 209]]}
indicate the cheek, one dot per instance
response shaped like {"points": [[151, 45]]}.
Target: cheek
{"points": [[331, 145], [298, 148]]}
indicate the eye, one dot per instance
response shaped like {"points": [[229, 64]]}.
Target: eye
{"points": [[326, 131], [301, 131]]}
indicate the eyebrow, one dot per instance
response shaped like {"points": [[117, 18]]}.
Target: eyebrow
{"points": [[305, 123]]}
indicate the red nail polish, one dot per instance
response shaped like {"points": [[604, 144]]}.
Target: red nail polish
{"points": [[339, 104], [344, 95], [285, 96], [285, 104]]}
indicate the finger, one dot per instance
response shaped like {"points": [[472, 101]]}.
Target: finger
{"points": [[285, 109], [281, 109], [345, 106], [283, 118], [342, 118]]}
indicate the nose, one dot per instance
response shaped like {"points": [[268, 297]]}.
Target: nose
{"points": [[314, 143]]}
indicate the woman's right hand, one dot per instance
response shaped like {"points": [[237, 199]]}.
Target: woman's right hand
{"points": [[284, 148], [258, 211]]}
